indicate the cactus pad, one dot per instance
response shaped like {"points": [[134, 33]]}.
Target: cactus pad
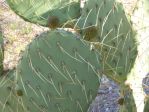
{"points": [[38, 11], [127, 103], [146, 108], [104, 21], [8, 99], [57, 73]]}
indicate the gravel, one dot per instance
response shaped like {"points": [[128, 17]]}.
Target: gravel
{"points": [[107, 97]]}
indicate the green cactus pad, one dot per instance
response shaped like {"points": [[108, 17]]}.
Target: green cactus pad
{"points": [[104, 22], [38, 11], [1, 52], [8, 100], [146, 107], [127, 103], [58, 73]]}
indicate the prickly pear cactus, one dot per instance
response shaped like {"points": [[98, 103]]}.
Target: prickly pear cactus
{"points": [[57, 73], [104, 22], [8, 100], [126, 102], [1, 52], [146, 108], [39, 11]]}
